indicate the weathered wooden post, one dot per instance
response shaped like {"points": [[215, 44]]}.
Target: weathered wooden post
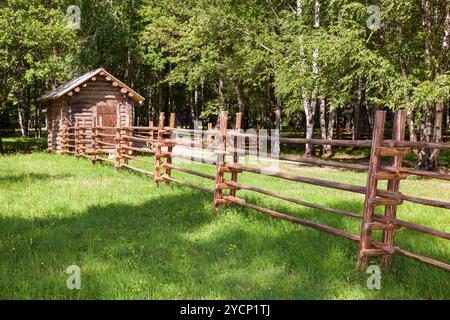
{"points": [[77, 137], [94, 141], [170, 145], [126, 139], [100, 131], [371, 194], [398, 135], [118, 142], [63, 135], [84, 136], [159, 144], [221, 157], [234, 173]]}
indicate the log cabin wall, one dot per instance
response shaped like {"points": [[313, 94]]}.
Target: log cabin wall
{"points": [[54, 123], [82, 105]]}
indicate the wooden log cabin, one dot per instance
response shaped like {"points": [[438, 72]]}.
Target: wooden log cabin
{"points": [[95, 96]]}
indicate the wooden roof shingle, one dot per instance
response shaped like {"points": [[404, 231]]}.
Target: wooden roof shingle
{"points": [[71, 85]]}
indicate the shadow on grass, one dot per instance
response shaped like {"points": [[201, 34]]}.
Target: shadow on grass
{"points": [[34, 177], [172, 248], [24, 145]]}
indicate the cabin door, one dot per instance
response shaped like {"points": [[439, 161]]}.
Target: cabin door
{"points": [[107, 112]]}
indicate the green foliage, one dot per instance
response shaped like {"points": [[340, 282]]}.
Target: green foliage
{"points": [[35, 45]]}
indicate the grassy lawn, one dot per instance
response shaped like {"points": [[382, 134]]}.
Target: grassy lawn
{"points": [[24, 145], [135, 241]]}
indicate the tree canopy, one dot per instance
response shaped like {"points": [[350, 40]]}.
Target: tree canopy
{"points": [[303, 64]]}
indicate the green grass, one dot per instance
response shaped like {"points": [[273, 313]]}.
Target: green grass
{"points": [[135, 241], [15, 145]]}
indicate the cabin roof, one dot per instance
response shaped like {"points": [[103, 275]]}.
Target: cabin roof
{"points": [[71, 85]]}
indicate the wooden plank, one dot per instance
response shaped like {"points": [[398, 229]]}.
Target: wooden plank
{"points": [[419, 173], [158, 148], [392, 152], [416, 144], [218, 193], [138, 170], [279, 215], [381, 226], [371, 190], [166, 177], [142, 150], [237, 128], [193, 172], [170, 146], [390, 176], [327, 163], [384, 202], [372, 252], [398, 135], [292, 200]]}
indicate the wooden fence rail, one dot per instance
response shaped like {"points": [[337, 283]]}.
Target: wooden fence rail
{"points": [[221, 144]]}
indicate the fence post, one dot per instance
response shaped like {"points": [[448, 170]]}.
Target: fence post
{"points": [[221, 157], [77, 137], [234, 174], [128, 141], [371, 193], [158, 155], [394, 185], [94, 141], [118, 140], [84, 137], [100, 131], [63, 134], [170, 146]]}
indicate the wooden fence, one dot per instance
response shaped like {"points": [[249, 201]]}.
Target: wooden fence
{"points": [[222, 144]]}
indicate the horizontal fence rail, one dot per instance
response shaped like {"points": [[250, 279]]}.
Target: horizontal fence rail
{"points": [[224, 148]]}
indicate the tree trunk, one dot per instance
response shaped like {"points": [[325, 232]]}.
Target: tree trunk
{"points": [[437, 136], [193, 105], [370, 116], [151, 111], [338, 124], [23, 114], [323, 122], [37, 122], [447, 116], [327, 122], [331, 121], [172, 107], [279, 106], [429, 158], [220, 88], [202, 99], [442, 69], [358, 101], [243, 103], [426, 129], [2, 150], [310, 109], [411, 129], [21, 120], [409, 112]]}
